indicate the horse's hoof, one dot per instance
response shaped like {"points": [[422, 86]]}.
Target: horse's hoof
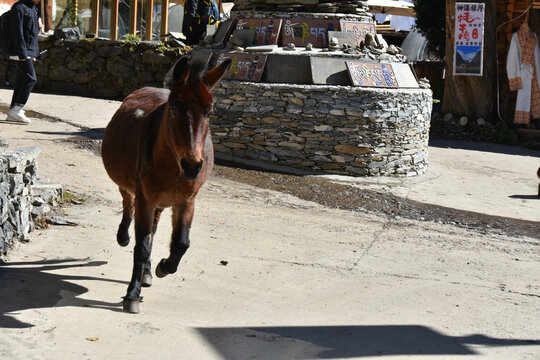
{"points": [[131, 306], [160, 269], [146, 280], [123, 241]]}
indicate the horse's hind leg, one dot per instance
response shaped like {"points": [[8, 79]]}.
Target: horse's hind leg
{"points": [[147, 273], [128, 201], [182, 218]]}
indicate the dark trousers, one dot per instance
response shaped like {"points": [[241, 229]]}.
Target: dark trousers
{"points": [[194, 38], [25, 81]]}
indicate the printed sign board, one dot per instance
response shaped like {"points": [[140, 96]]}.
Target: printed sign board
{"points": [[244, 67], [371, 74], [469, 39], [301, 32], [360, 29], [266, 30]]}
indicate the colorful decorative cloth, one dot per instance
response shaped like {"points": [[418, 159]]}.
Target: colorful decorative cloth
{"points": [[522, 65]]}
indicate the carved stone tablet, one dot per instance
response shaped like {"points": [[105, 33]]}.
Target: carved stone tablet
{"points": [[244, 67]]}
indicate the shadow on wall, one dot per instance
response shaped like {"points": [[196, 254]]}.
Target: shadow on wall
{"points": [[337, 342], [29, 285]]}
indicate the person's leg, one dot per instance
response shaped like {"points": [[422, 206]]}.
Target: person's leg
{"points": [[19, 82], [26, 80]]}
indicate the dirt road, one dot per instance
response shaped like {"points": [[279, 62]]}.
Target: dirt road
{"points": [[268, 276]]}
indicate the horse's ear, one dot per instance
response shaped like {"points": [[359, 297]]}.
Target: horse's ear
{"points": [[213, 76], [180, 71]]}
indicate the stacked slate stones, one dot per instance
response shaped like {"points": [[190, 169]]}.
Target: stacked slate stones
{"points": [[23, 198], [358, 7]]}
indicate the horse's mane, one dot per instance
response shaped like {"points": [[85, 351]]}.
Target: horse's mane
{"points": [[197, 68]]}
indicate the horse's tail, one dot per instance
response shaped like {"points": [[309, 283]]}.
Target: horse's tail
{"points": [[538, 172]]}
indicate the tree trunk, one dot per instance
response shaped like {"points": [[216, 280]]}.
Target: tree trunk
{"points": [[472, 96]]}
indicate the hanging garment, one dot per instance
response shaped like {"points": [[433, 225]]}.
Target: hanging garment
{"points": [[523, 66]]}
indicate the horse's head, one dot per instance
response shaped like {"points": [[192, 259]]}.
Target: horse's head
{"points": [[190, 103]]}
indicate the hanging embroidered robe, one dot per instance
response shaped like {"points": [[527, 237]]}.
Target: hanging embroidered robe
{"points": [[522, 66]]}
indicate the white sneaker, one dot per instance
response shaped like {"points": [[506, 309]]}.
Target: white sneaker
{"points": [[16, 116]]}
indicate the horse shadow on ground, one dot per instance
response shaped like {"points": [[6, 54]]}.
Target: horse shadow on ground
{"points": [[30, 285], [95, 133], [338, 342], [525, 197]]}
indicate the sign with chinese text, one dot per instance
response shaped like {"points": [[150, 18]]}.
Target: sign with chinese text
{"points": [[371, 74], [360, 29], [301, 32], [266, 30], [469, 39], [244, 67]]}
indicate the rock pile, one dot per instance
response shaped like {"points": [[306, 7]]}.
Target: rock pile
{"points": [[324, 6], [23, 198], [450, 127]]}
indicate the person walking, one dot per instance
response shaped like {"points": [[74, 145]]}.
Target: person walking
{"points": [[24, 25], [198, 14]]}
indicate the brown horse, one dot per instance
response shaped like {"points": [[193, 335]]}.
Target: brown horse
{"points": [[157, 148]]}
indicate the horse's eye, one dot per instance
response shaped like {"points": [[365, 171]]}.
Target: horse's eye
{"points": [[174, 111]]}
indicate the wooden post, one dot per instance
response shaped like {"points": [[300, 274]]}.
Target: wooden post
{"points": [[76, 11], [149, 15], [510, 14], [95, 17], [114, 19], [133, 17], [164, 18], [46, 15]]}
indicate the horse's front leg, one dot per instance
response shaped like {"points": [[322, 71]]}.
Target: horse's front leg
{"points": [[147, 272], [182, 218], [144, 221]]}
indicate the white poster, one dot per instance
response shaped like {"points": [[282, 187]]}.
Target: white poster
{"points": [[469, 39]]}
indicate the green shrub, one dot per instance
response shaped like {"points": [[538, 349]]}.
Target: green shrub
{"points": [[431, 22], [131, 37]]}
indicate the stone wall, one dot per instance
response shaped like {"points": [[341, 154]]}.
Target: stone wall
{"points": [[99, 67], [23, 198], [326, 6], [335, 129]]}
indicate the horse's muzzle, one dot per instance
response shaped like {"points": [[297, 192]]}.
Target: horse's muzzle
{"points": [[190, 171]]}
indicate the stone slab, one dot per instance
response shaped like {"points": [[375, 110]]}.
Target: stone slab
{"points": [[261, 48], [288, 69], [371, 74], [329, 71], [223, 31], [358, 28], [343, 38], [301, 32], [266, 30], [405, 76], [244, 67], [246, 36]]}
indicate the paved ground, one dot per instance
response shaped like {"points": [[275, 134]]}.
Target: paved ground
{"points": [[302, 280]]}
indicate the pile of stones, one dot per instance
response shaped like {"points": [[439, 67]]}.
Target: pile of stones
{"points": [[450, 126], [358, 7], [24, 199]]}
